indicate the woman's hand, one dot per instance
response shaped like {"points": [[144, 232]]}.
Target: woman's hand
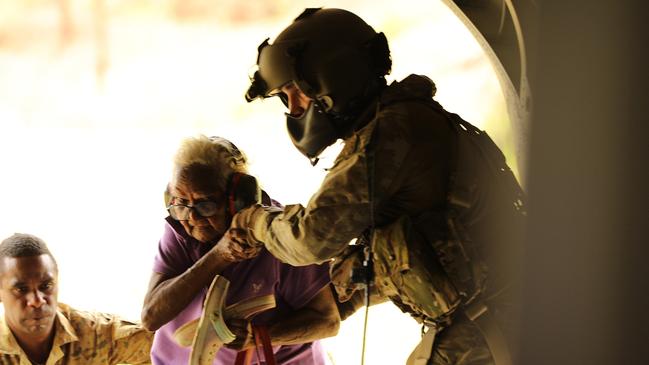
{"points": [[242, 329]]}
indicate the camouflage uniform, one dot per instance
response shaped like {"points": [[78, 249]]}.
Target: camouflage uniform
{"points": [[400, 165], [85, 338]]}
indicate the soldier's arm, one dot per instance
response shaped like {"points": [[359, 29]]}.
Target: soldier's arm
{"points": [[337, 213], [357, 301], [340, 210]]}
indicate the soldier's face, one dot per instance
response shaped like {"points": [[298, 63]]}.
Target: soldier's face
{"points": [[298, 102], [203, 229], [28, 290]]}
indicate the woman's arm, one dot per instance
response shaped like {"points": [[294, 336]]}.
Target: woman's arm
{"points": [[167, 296], [317, 319]]}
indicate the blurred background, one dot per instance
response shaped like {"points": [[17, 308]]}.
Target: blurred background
{"points": [[96, 95]]}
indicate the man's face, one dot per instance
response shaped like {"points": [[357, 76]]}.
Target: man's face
{"points": [[204, 229], [28, 290], [298, 102]]}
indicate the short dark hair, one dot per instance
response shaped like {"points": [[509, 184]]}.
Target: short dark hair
{"points": [[23, 245]]}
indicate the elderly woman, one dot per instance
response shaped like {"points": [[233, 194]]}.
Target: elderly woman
{"points": [[196, 245]]}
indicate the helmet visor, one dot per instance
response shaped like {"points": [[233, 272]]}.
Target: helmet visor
{"points": [[278, 64]]}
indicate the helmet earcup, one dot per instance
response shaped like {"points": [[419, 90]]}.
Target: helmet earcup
{"points": [[243, 191]]}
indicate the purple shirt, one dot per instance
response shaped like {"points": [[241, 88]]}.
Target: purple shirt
{"points": [[293, 288]]}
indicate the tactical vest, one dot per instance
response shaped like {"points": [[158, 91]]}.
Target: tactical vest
{"points": [[430, 264]]}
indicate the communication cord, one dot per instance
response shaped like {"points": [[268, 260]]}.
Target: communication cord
{"points": [[368, 268]]}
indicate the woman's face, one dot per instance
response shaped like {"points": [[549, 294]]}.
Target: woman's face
{"points": [[204, 229]]}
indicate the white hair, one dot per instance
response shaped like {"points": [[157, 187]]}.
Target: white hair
{"points": [[214, 153]]}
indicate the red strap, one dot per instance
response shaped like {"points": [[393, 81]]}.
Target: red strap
{"points": [[243, 357], [231, 194], [262, 338]]}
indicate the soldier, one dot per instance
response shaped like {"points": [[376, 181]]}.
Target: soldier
{"points": [[436, 210]]}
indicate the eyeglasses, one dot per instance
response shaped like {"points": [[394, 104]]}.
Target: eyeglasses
{"points": [[205, 209]]}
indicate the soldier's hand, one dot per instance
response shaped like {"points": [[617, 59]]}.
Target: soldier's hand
{"points": [[233, 247], [239, 248], [242, 329], [242, 221], [242, 218]]}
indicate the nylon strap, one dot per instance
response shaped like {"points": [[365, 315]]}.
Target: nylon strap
{"points": [[243, 357], [262, 339], [424, 349], [234, 182]]}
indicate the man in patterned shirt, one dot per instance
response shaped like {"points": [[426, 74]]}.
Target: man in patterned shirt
{"points": [[36, 329]]}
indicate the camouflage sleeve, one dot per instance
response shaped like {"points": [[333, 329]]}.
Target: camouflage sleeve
{"points": [[340, 210], [131, 344], [337, 213]]}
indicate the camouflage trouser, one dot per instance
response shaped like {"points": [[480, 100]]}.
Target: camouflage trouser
{"points": [[460, 344], [463, 342]]}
